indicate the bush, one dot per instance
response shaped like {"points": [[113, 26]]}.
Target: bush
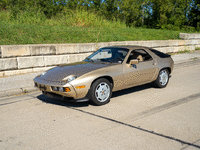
{"points": [[30, 15], [188, 29], [170, 27]]}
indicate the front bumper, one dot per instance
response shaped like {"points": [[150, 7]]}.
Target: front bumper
{"points": [[46, 87], [71, 99]]}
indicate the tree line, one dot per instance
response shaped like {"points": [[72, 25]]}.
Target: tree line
{"points": [[161, 14]]}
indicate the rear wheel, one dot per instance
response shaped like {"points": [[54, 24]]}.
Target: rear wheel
{"points": [[162, 79], [101, 92]]}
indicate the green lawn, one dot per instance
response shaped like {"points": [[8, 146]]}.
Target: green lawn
{"points": [[37, 34]]}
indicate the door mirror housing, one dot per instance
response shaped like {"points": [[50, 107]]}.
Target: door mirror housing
{"points": [[133, 62]]}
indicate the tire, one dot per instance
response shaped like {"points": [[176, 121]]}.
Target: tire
{"points": [[162, 79], [101, 91]]}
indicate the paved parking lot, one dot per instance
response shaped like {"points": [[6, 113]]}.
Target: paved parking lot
{"points": [[137, 118]]}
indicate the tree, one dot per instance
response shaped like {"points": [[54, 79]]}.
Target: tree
{"points": [[194, 15], [178, 16], [4, 4], [130, 11], [110, 9], [48, 7]]}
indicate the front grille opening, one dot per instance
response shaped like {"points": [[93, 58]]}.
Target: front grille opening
{"points": [[36, 84], [40, 86], [54, 95]]}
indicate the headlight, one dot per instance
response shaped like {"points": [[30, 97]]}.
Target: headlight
{"points": [[69, 78], [42, 74]]}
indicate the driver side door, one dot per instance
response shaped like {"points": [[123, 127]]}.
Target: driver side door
{"points": [[140, 73]]}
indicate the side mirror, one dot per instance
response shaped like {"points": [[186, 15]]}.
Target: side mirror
{"points": [[133, 62]]}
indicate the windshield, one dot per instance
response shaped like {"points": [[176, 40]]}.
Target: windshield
{"points": [[113, 55]]}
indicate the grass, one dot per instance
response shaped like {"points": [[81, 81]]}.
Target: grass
{"points": [[181, 52], [36, 34], [195, 58], [197, 48], [31, 27], [185, 51]]}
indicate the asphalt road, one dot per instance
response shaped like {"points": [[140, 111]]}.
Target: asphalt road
{"points": [[138, 118]]}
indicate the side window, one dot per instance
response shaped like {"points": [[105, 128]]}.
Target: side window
{"points": [[139, 54], [160, 54]]}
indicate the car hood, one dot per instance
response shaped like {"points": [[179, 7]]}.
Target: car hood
{"points": [[77, 69]]}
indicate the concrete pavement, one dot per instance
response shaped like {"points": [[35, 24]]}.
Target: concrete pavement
{"points": [[20, 84], [138, 118]]}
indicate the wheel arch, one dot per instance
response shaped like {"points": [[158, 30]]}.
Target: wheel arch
{"points": [[109, 78], [92, 97], [168, 69]]}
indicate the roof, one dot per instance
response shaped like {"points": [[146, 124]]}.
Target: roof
{"points": [[130, 47]]}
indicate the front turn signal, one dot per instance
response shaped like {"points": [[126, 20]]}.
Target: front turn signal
{"points": [[67, 89], [80, 87]]}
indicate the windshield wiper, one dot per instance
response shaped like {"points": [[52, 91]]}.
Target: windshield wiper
{"points": [[106, 60], [89, 59]]}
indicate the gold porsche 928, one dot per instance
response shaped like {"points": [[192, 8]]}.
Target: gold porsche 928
{"points": [[106, 70]]}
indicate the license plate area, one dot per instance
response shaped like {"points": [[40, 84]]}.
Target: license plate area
{"points": [[42, 87]]}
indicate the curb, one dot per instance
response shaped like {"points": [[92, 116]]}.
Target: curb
{"points": [[179, 58], [23, 71], [13, 92], [188, 60]]}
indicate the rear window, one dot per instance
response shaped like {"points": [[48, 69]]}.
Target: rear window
{"points": [[160, 54]]}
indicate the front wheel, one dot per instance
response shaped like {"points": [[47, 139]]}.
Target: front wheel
{"points": [[101, 92], [162, 79]]}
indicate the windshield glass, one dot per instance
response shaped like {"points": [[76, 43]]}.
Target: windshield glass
{"points": [[113, 55]]}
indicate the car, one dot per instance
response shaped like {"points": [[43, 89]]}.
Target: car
{"points": [[107, 70]]}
